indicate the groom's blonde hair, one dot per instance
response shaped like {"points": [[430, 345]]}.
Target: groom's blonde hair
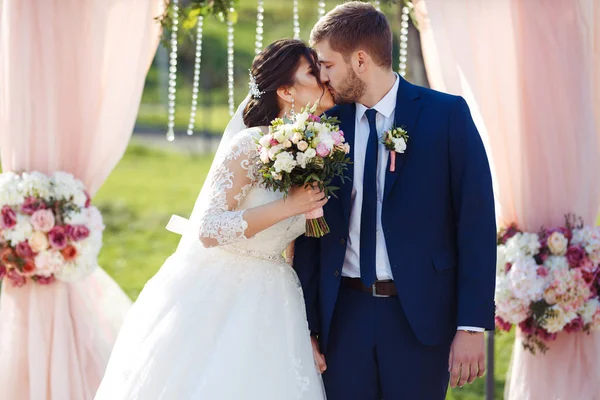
{"points": [[356, 26]]}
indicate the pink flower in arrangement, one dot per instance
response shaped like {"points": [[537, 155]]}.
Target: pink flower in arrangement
{"points": [[88, 199], [542, 271], [574, 326], [43, 220], [274, 142], [9, 217], [502, 324], [24, 250], [545, 335], [15, 278], [323, 150], [77, 232], [527, 326], [31, 205], [575, 256], [2, 271], [58, 237], [45, 280], [314, 118], [337, 138], [507, 267]]}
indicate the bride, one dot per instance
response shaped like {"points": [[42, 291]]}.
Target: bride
{"points": [[224, 318]]}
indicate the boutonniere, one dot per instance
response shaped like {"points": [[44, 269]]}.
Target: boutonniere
{"points": [[395, 141]]}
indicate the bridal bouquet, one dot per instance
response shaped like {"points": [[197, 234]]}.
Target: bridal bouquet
{"points": [[548, 282], [304, 149], [48, 229]]}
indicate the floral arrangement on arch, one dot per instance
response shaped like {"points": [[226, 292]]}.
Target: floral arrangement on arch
{"points": [[548, 282], [48, 229]]}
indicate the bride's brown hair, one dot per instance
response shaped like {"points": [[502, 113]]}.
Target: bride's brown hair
{"points": [[273, 68]]}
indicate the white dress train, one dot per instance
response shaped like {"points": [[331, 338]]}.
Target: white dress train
{"points": [[221, 323]]}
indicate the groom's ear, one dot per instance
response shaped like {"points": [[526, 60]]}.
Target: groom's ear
{"points": [[360, 61]]}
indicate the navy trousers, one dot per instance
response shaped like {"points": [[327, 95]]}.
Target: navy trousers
{"points": [[373, 354]]}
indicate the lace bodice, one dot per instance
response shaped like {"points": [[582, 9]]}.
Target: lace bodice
{"points": [[235, 187]]}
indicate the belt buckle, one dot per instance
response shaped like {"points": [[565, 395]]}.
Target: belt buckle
{"points": [[374, 291]]}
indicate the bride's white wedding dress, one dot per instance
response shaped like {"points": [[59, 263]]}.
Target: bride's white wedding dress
{"points": [[221, 323]]}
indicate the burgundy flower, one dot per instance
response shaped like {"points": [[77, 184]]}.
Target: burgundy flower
{"points": [[574, 326], [502, 324], [507, 267], [2, 271], [88, 199], [575, 256], [31, 205], [545, 335], [24, 250], [9, 217], [77, 232], [542, 271], [15, 278], [45, 280], [527, 326], [58, 237]]}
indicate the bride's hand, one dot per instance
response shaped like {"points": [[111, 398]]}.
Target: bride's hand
{"points": [[304, 199]]}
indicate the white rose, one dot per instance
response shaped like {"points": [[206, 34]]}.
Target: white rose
{"points": [[302, 145], [588, 310], [297, 137], [399, 145], [264, 155], [310, 153], [301, 159], [38, 242], [557, 243], [287, 144], [265, 141], [284, 162], [273, 151]]}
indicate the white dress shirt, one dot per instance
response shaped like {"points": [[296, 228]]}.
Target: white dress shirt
{"points": [[385, 119]]}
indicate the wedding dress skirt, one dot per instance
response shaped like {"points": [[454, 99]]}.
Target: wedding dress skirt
{"points": [[219, 323]]}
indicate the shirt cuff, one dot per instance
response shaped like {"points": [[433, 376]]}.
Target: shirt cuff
{"points": [[470, 328]]}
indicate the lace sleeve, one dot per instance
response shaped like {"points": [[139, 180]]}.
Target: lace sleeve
{"points": [[231, 181]]}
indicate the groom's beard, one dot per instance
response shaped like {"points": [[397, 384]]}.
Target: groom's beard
{"points": [[350, 90]]}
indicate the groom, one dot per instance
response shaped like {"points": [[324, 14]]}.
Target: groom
{"points": [[399, 293]]}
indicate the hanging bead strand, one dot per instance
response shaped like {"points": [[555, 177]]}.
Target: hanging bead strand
{"points": [[403, 41], [321, 8], [196, 83], [230, 70], [173, 72], [259, 27], [296, 21]]}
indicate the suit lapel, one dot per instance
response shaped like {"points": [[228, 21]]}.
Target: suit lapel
{"points": [[406, 115], [348, 122]]}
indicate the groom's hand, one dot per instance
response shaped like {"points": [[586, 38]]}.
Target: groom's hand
{"points": [[318, 356], [467, 358]]}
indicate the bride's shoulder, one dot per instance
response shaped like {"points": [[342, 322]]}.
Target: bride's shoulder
{"points": [[246, 141]]}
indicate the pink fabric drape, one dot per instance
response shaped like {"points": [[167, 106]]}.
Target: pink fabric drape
{"points": [[71, 78], [530, 72]]}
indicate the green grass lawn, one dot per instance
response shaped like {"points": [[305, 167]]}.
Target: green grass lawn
{"points": [[137, 200]]}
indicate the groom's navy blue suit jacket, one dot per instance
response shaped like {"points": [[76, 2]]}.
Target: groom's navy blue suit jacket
{"points": [[438, 220]]}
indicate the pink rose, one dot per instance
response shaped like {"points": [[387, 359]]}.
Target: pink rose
{"points": [[88, 199], [314, 118], [2, 272], [9, 217], [45, 280], [575, 256], [507, 268], [337, 138], [274, 142], [503, 325], [77, 232], [323, 150], [542, 271], [31, 205], [574, 326], [15, 278], [43, 220], [58, 237], [24, 250], [527, 326]]}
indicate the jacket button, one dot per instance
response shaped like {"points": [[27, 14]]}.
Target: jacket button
{"points": [[336, 273], [342, 241]]}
